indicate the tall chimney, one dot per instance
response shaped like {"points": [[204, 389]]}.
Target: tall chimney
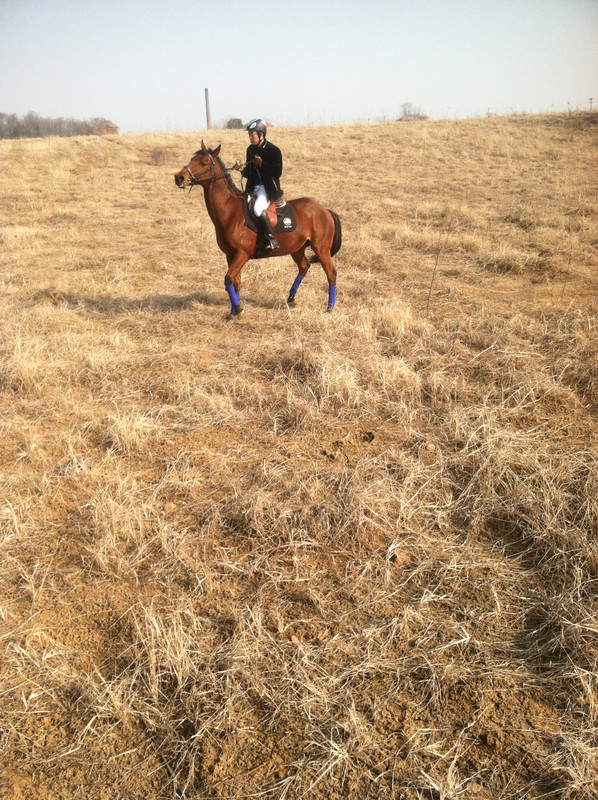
{"points": [[208, 115]]}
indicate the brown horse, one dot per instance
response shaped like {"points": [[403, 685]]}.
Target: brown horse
{"points": [[317, 227]]}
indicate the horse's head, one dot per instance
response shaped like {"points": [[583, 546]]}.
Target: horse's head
{"points": [[200, 169]]}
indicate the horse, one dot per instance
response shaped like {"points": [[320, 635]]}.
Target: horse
{"points": [[317, 228]]}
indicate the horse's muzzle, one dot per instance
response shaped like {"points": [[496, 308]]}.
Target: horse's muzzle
{"points": [[179, 180]]}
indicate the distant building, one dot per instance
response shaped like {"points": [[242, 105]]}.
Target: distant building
{"points": [[105, 128]]}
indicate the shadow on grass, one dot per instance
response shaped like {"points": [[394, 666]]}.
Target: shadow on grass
{"points": [[160, 303]]}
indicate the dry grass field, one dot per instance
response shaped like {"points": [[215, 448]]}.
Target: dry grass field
{"points": [[302, 555]]}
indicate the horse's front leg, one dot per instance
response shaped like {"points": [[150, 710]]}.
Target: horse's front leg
{"points": [[232, 282]]}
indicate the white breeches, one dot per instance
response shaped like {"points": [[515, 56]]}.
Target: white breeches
{"points": [[261, 201]]}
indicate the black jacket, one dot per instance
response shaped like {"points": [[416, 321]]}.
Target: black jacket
{"points": [[270, 171]]}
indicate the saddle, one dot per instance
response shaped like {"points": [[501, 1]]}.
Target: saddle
{"points": [[281, 214]]}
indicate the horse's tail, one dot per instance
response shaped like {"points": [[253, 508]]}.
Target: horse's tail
{"points": [[337, 239], [338, 234]]}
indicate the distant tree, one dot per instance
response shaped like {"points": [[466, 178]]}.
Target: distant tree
{"points": [[8, 126], [32, 126], [235, 124], [409, 111]]}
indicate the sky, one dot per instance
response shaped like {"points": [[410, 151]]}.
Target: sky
{"points": [[145, 64]]}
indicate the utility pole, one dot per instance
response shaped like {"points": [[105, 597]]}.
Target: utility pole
{"points": [[591, 101], [208, 115]]}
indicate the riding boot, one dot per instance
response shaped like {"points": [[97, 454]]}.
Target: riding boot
{"points": [[271, 243]]}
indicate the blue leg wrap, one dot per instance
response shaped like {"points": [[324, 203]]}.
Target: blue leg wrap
{"points": [[296, 285], [331, 296], [235, 301]]}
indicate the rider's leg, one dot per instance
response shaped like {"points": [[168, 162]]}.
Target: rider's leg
{"points": [[260, 204], [271, 243], [260, 200]]}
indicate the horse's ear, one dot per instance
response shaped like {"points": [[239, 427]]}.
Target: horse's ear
{"points": [[203, 147], [216, 152]]}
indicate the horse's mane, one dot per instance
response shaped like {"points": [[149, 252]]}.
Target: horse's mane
{"points": [[229, 181]]}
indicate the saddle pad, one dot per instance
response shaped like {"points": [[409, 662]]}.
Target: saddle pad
{"points": [[285, 217], [281, 216]]}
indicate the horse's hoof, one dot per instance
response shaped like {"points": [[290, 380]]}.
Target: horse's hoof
{"points": [[291, 302], [330, 309], [230, 317]]}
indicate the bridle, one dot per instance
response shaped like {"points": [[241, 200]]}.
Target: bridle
{"points": [[194, 180]]}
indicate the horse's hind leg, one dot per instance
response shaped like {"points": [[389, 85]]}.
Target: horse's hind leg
{"points": [[322, 240], [303, 265], [330, 270]]}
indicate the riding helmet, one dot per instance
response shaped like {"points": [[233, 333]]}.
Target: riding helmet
{"points": [[256, 125]]}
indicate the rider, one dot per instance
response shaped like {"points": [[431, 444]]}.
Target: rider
{"points": [[263, 168]]}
